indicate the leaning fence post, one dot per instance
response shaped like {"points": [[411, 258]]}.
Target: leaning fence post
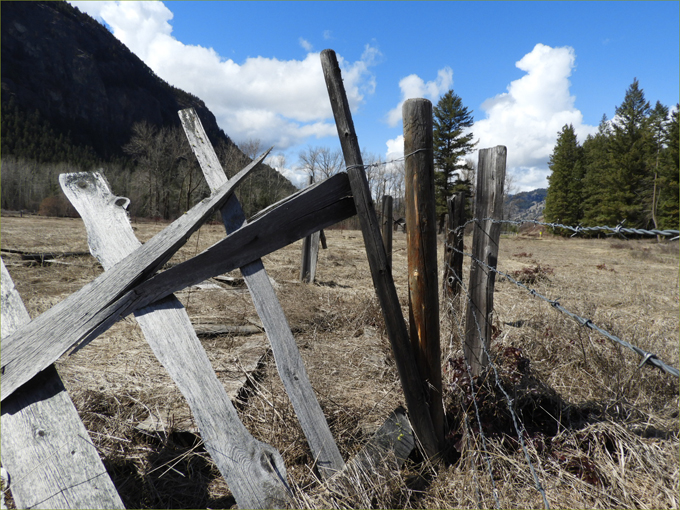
{"points": [[453, 256], [387, 226], [383, 282], [485, 237], [310, 253], [421, 246]]}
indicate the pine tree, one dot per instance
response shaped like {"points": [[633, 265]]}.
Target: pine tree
{"points": [[451, 144], [669, 170], [563, 202], [597, 175], [630, 190]]}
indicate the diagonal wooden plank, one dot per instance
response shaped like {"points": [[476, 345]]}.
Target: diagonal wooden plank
{"points": [[288, 361], [39, 343], [46, 449], [243, 461], [414, 392], [283, 223]]}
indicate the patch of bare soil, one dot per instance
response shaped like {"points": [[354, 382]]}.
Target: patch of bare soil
{"points": [[599, 430]]}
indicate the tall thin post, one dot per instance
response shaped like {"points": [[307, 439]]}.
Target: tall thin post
{"points": [[310, 253], [485, 237], [421, 246], [387, 227], [453, 256], [383, 282]]}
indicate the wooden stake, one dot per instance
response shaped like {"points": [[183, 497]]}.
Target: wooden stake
{"points": [[421, 245], [377, 258], [387, 227], [453, 258], [485, 237]]}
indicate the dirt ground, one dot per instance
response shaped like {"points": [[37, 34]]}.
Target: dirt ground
{"points": [[143, 427]]}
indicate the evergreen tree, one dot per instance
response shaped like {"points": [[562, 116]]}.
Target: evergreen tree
{"points": [[630, 190], [597, 175], [451, 145], [667, 209], [563, 201]]}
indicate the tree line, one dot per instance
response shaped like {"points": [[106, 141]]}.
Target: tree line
{"points": [[628, 171]]}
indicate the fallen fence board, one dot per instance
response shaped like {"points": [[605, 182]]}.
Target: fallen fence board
{"points": [[46, 449], [36, 345], [47, 337], [286, 354], [243, 461]]}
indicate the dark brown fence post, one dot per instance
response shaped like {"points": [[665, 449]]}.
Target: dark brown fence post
{"points": [[387, 221], [421, 246], [310, 253], [453, 258], [485, 237], [383, 282]]}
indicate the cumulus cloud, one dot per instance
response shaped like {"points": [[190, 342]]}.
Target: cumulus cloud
{"points": [[279, 102], [529, 115], [413, 86]]}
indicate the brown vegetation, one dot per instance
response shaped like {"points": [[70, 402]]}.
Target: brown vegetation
{"points": [[600, 432]]}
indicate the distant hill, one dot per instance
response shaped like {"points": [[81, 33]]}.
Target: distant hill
{"points": [[71, 92], [527, 205]]}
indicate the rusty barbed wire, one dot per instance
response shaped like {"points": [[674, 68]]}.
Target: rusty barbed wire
{"points": [[619, 229], [647, 357], [519, 429]]}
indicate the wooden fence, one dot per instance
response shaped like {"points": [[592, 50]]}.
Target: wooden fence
{"points": [[46, 449]]}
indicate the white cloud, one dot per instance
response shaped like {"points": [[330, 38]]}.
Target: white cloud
{"points": [[413, 86], [279, 102], [395, 148], [527, 118], [306, 45]]}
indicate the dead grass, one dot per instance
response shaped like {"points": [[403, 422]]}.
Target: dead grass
{"points": [[600, 432]]}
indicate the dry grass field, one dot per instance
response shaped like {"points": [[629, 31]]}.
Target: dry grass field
{"points": [[600, 431]]}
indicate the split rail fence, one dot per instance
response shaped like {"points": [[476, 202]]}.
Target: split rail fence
{"points": [[46, 450]]}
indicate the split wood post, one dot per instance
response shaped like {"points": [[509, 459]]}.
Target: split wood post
{"points": [[387, 226], [485, 237], [254, 471], [453, 256], [421, 246], [310, 253], [46, 449], [286, 353], [395, 324], [37, 344]]}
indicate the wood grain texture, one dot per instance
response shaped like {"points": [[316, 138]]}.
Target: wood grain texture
{"points": [[37, 344], [245, 463], [286, 354], [421, 247], [283, 223], [485, 237], [383, 282], [453, 248], [46, 449]]}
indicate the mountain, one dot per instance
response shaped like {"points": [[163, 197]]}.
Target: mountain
{"points": [[71, 92], [527, 205]]}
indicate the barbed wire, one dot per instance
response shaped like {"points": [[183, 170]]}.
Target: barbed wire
{"points": [[473, 394], [647, 357], [619, 229], [520, 430], [385, 163]]}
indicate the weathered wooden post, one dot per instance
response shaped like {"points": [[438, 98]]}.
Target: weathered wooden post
{"points": [[453, 258], [383, 282], [387, 226], [421, 246], [485, 237], [310, 253]]}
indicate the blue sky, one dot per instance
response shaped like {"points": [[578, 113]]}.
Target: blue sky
{"points": [[524, 68]]}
